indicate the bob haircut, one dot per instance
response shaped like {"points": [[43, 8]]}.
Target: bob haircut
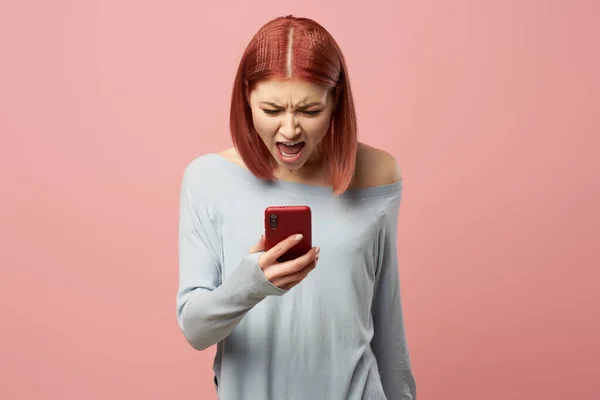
{"points": [[293, 47]]}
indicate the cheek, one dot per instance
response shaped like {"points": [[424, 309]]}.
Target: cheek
{"points": [[316, 128], [263, 124]]}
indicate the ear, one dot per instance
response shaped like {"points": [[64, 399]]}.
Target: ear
{"points": [[247, 91], [336, 95]]}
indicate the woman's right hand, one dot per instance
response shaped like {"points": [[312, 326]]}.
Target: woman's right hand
{"points": [[287, 274]]}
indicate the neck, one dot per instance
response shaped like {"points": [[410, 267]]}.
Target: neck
{"points": [[313, 172]]}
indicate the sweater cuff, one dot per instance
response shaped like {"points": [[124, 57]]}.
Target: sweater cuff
{"points": [[251, 282]]}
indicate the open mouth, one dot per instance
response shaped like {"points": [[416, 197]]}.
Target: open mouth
{"points": [[290, 149]]}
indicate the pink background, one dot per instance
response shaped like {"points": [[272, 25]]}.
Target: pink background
{"points": [[491, 109]]}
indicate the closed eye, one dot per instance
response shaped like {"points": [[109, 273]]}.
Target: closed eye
{"points": [[310, 113], [270, 112], [317, 112]]}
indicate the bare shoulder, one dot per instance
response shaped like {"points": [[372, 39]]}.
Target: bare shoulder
{"points": [[375, 167], [229, 153], [232, 155]]}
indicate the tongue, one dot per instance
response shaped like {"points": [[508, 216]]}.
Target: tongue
{"points": [[290, 149]]}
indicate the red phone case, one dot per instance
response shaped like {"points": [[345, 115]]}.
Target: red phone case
{"points": [[289, 220]]}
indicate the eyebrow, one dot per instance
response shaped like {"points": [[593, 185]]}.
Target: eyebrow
{"points": [[314, 103]]}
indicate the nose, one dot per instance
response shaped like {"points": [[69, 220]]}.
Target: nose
{"points": [[290, 128]]}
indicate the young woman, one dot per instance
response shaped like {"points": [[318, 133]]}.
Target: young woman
{"points": [[329, 324]]}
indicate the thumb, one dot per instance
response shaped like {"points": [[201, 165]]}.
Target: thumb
{"points": [[260, 246]]}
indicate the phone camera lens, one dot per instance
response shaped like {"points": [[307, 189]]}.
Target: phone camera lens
{"points": [[273, 221]]}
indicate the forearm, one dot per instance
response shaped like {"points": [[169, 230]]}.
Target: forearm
{"points": [[399, 384], [390, 346], [209, 316]]}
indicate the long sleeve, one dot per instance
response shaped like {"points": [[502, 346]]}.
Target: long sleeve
{"points": [[207, 309], [389, 340]]}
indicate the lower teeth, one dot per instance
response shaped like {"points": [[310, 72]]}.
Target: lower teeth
{"points": [[288, 155]]}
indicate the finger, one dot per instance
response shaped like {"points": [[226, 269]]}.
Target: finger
{"points": [[308, 269], [260, 246], [295, 278], [279, 270], [293, 266], [289, 286], [271, 256]]}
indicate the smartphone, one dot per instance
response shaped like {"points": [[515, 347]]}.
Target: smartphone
{"points": [[284, 221]]}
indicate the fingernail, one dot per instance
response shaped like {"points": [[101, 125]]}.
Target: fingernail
{"points": [[298, 237], [317, 250]]}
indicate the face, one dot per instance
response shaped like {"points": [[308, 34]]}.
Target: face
{"points": [[291, 117]]}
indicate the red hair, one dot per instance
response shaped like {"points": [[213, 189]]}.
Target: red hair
{"points": [[293, 47]]}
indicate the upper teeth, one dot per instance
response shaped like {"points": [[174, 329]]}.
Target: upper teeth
{"points": [[290, 143]]}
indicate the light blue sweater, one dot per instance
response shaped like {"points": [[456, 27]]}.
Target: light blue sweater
{"points": [[337, 335]]}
